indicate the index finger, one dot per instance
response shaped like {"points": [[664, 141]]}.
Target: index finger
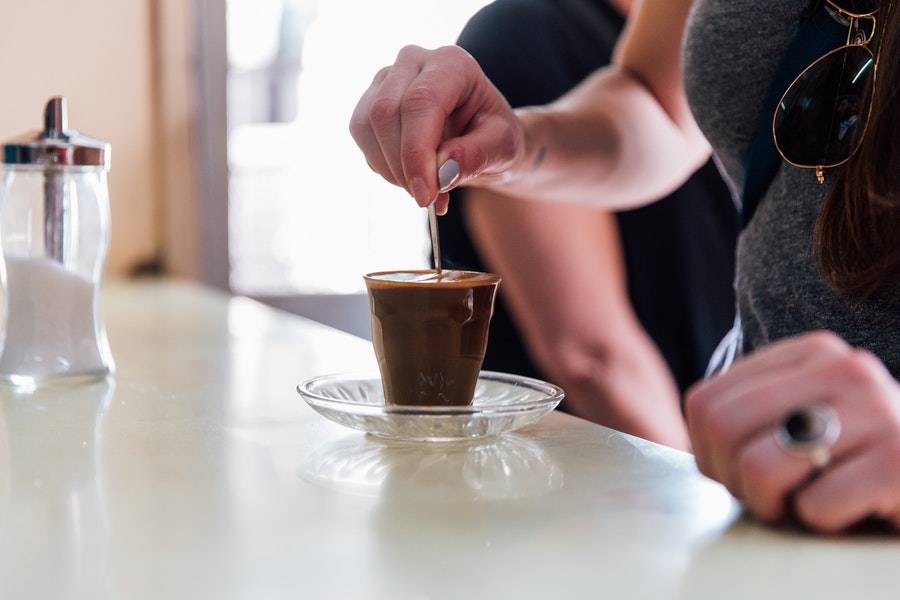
{"points": [[444, 84]]}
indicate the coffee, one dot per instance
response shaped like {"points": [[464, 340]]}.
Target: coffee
{"points": [[430, 332]]}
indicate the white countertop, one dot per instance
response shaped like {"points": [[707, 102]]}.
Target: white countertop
{"points": [[198, 472]]}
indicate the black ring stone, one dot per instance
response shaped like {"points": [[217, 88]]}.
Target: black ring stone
{"points": [[804, 426]]}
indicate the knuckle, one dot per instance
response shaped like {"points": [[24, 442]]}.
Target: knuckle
{"points": [[717, 427], [359, 126], [455, 53], [860, 370], [383, 111], [827, 343], [409, 52], [862, 367], [418, 98]]}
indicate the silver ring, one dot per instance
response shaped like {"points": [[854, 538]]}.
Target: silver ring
{"points": [[810, 431]]}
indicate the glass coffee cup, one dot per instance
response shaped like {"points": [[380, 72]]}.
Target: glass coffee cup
{"points": [[430, 333]]}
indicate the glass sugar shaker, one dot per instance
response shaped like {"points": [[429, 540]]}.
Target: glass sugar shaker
{"points": [[54, 233]]}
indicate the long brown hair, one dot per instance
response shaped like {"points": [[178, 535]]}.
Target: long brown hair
{"points": [[857, 235]]}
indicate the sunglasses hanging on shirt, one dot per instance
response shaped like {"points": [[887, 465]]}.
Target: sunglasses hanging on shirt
{"points": [[822, 116]]}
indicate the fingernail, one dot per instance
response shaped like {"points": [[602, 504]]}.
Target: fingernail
{"points": [[448, 174], [419, 191]]}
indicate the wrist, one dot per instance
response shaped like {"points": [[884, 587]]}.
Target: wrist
{"points": [[533, 120]]}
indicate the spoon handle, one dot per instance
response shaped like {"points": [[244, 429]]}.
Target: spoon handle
{"points": [[435, 246]]}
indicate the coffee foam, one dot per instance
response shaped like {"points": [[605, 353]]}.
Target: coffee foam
{"points": [[434, 277]]}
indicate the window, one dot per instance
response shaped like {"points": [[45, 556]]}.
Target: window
{"points": [[306, 215]]}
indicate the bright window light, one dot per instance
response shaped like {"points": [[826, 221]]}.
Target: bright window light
{"points": [[306, 213]]}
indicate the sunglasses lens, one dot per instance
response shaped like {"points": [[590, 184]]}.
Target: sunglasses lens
{"points": [[859, 8], [821, 117]]}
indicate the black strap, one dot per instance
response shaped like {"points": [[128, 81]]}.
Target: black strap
{"points": [[817, 33]]}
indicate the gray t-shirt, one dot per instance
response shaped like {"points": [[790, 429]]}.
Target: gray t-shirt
{"points": [[731, 54]]}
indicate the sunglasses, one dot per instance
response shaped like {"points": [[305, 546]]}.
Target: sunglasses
{"points": [[822, 117]]}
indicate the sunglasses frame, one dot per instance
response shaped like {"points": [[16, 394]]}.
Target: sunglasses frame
{"points": [[853, 40], [835, 4]]}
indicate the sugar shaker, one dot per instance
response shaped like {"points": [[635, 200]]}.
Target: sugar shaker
{"points": [[54, 235]]}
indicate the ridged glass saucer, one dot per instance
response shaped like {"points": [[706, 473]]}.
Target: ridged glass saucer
{"points": [[502, 403]]}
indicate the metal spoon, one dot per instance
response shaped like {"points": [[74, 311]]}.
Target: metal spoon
{"points": [[435, 246], [448, 174]]}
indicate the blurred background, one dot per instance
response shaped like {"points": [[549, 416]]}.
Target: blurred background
{"points": [[232, 164]]}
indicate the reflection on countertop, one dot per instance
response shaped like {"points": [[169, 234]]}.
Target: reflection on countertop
{"points": [[511, 466], [51, 500]]}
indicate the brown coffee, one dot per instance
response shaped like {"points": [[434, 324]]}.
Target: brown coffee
{"points": [[430, 333]]}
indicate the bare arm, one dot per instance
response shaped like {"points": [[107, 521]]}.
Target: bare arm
{"points": [[564, 284], [624, 136], [627, 132]]}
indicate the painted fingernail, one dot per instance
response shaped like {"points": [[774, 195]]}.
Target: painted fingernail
{"points": [[448, 173], [419, 191]]}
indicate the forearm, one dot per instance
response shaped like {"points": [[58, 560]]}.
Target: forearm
{"points": [[608, 143], [564, 285], [625, 136], [624, 384]]}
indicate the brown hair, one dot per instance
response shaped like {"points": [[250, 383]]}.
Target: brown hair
{"points": [[857, 235]]}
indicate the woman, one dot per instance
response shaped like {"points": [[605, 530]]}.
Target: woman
{"points": [[818, 264]]}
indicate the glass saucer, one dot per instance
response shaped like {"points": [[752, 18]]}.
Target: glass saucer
{"points": [[502, 403]]}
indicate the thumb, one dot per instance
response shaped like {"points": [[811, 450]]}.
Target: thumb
{"points": [[448, 174]]}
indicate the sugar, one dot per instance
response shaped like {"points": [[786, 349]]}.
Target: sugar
{"points": [[51, 323]]}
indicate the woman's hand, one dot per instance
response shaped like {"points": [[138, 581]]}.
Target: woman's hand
{"points": [[622, 138], [431, 106], [733, 418]]}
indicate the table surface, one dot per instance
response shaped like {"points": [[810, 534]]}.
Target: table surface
{"points": [[198, 472]]}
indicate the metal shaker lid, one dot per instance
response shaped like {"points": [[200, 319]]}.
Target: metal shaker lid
{"points": [[56, 145]]}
